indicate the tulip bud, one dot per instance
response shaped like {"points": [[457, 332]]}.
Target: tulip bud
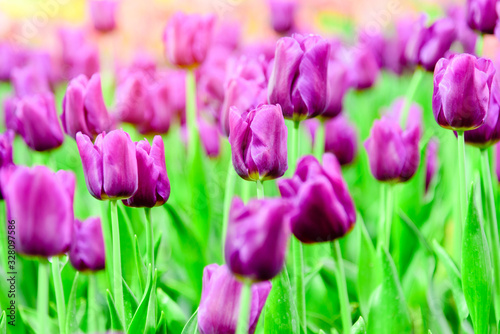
{"points": [[29, 80], [132, 99], [481, 15], [497, 164], [187, 38], [87, 247], [41, 203], [109, 165], [220, 301], [259, 143], [283, 15], [35, 119], [431, 158], [153, 184], [324, 210], [78, 56], [337, 85], [257, 238], [299, 76], [437, 41], [6, 141], [83, 107], [341, 139], [209, 135], [462, 86], [103, 14], [363, 68]]}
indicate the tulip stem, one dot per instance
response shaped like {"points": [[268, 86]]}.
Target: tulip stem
{"points": [[150, 257], [381, 219], [492, 226], [298, 268], [91, 299], [345, 307], [228, 196], [244, 312], [389, 212], [319, 141], [117, 266], [462, 176], [260, 189], [410, 94], [294, 154], [191, 114], [43, 296], [58, 288]]}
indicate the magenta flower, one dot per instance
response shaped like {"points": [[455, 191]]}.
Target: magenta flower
{"points": [[103, 14], [87, 247], [6, 161], [133, 104], [363, 68], [341, 139], [283, 15], [481, 15], [30, 80], [431, 162], [210, 138]]}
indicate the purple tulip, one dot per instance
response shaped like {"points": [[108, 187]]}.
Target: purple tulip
{"points": [[437, 41], [83, 107], [153, 183], [395, 58], [283, 15], [341, 139], [363, 68], [431, 158], [50, 195], [394, 154], [35, 119], [257, 238], [8, 60], [132, 99], [465, 35], [209, 135], [259, 143], [497, 161], [376, 42], [481, 15], [29, 80], [462, 86], [157, 108], [187, 38], [299, 76], [324, 210], [6, 141], [227, 34], [109, 165], [103, 14], [220, 301], [87, 247], [337, 86], [78, 56]]}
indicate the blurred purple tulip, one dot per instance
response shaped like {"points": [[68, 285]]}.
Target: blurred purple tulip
{"points": [[376, 42], [438, 40], [220, 301], [257, 237], [363, 69], [341, 139], [132, 99], [431, 161], [283, 15], [78, 56], [6, 142], [324, 210], [497, 160], [395, 58], [29, 80], [153, 183], [187, 38], [299, 76], [109, 165], [259, 143], [481, 15], [103, 14], [49, 195], [462, 86], [337, 86], [227, 34], [87, 247], [210, 138], [465, 35]]}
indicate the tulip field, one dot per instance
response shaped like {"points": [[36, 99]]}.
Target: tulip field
{"points": [[235, 167]]}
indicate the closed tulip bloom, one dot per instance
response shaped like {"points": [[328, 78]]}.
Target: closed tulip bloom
{"points": [[6, 161], [363, 68], [299, 75], [153, 183], [41, 202], [431, 161], [324, 210], [210, 138], [35, 119], [83, 107], [465, 35], [103, 14], [87, 247], [497, 161], [259, 143], [481, 15], [283, 15], [439, 38], [29, 80], [220, 301], [462, 86], [187, 38], [341, 139], [109, 165], [257, 237], [395, 58], [132, 99], [337, 86]]}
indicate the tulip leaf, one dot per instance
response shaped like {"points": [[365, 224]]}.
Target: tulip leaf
{"points": [[369, 268], [359, 327], [139, 321], [71, 318], [3, 323], [280, 311], [388, 311], [116, 323], [141, 268], [191, 326], [30, 318], [476, 269], [174, 316], [161, 328], [157, 245], [129, 301], [455, 279]]}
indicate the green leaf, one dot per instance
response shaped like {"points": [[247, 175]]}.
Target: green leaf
{"points": [[157, 245], [71, 319], [141, 268], [191, 326], [388, 311], [175, 317], [359, 327], [3, 323], [139, 321], [116, 324], [280, 310], [161, 328], [129, 302], [476, 269], [369, 268], [455, 279], [30, 318]]}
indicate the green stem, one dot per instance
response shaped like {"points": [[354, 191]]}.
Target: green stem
{"points": [[245, 194], [492, 227], [3, 237], [480, 45], [43, 296], [319, 141], [462, 176], [149, 239], [381, 219], [389, 213], [244, 312], [58, 288], [298, 270], [260, 189], [117, 267], [191, 114], [91, 300], [410, 94], [294, 153], [345, 307], [228, 196]]}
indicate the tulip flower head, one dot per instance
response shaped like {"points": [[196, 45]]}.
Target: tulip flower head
{"points": [[109, 165], [259, 143], [220, 301], [283, 15], [431, 158], [481, 15], [6, 141], [341, 139], [87, 247], [103, 14], [323, 208]]}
